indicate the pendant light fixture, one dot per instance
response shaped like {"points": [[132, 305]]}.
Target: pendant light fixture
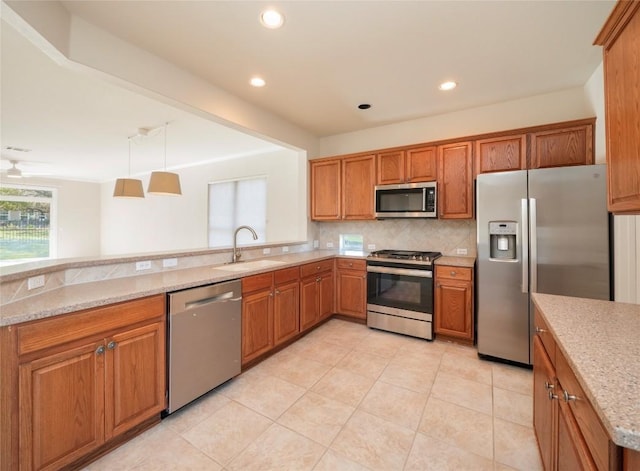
{"points": [[128, 187], [164, 183]]}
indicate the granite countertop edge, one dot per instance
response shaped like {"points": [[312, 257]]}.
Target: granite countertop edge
{"points": [[77, 297], [456, 261], [610, 381]]}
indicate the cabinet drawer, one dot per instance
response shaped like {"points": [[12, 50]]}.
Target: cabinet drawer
{"points": [[311, 269], [257, 282], [453, 273], [352, 264], [286, 274], [603, 450], [542, 331], [46, 333]]}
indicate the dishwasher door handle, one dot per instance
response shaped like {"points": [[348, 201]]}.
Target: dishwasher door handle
{"points": [[219, 298]]}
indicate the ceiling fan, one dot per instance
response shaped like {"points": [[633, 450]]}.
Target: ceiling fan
{"points": [[16, 169]]}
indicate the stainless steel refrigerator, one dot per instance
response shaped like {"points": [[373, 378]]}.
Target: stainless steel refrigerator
{"points": [[545, 231]]}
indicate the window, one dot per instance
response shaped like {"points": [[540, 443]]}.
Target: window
{"points": [[27, 229], [351, 243], [236, 203]]}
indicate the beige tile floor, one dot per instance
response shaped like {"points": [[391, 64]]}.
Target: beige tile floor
{"points": [[346, 397]]}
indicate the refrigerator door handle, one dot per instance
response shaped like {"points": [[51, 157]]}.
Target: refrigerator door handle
{"points": [[525, 245], [533, 225]]}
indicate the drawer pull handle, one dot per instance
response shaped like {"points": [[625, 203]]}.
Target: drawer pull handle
{"points": [[540, 330], [549, 386], [100, 350], [111, 345], [568, 397], [552, 396]]}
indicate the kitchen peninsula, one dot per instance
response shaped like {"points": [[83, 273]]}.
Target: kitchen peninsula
{"points": [[587, 383]]}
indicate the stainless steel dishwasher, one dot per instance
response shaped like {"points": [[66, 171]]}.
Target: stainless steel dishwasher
{"points": [[204, 340]]}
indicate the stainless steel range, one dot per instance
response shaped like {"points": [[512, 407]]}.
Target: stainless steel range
{"points": [[400, 292]]}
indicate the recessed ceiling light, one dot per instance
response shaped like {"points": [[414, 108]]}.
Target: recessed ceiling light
{"points": [[364, 106], [450, 85], [257, 82], [271, 19]]}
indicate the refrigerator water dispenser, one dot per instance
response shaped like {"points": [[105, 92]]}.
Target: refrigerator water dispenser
{"points": [[502, 240]]}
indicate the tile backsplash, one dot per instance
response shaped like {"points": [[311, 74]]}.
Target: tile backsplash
{"points": [[440, 235]]}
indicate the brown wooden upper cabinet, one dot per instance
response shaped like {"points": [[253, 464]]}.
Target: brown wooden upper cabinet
{"points": [[562, 147], [620, 37], [342, 188], [411, 165], [501, 154], [455, 181]]}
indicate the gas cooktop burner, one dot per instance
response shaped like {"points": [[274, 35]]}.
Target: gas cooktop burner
{"points": [[408, 255]]}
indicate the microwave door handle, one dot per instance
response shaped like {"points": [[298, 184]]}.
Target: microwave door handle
{"points": [[424, 200]]}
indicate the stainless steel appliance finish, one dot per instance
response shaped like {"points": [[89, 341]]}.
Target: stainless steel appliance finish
{"points": [[541, 231], [407, 200], [204, 340], [400, 292]]}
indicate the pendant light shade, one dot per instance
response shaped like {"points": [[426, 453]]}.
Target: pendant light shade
{"points": [[164, 183], [128, 187]]}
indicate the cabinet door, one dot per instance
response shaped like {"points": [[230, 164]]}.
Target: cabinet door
{"points": [[421, 164], [573, 452], [257, 324], [544, 406], [562, 147], [453, 309], [352, 293], [622, 89], [325, 295], [286, 307], [455, 181], [501, 154], [390, 168], [358, 182], [61, 406], [135, 377], [326, 196], [309, 302]]}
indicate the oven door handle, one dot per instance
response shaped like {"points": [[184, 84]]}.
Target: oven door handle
{"points": [[400, 271]]}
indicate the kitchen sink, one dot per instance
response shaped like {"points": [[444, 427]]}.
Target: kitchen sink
{"points": [[247, 266]]}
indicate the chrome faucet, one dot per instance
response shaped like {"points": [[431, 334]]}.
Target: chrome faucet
{"points": [[236, 253]]}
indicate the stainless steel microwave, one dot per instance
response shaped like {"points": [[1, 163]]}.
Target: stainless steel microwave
{"points": [[409, 200]]}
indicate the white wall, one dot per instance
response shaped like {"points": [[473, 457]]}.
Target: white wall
{"points": [[167, 223], [554, 107], [77, 214], [594, 92]]}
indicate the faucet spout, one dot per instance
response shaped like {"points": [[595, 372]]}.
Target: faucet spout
{"points": [[236, 253]]}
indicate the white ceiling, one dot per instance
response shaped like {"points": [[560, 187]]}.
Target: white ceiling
{"points": [[329, 57]]}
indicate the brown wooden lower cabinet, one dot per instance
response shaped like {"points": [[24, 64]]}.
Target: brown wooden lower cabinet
{"points": [[316, 293], [454, 302], [569, 433], [82, 379], [351, 285]]}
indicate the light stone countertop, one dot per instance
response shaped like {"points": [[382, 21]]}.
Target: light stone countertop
{"points": [[72, 298], [601, 342], [467, 262]]}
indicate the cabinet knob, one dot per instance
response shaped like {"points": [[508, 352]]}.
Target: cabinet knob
{"points": [[100, 350], [540, 330], [318, 280], [568, 397], [453, 273], [552, 396], [271, 294], [548, 386], [277, 291], [111, 345], [350, 264]]}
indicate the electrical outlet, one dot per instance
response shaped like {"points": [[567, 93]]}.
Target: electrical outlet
{"points": [[35, 282], [146, 265], [316, 244], [329, 245], [266, 251], [371, 246], [461, 251], [169, 262], [285, 249]]}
